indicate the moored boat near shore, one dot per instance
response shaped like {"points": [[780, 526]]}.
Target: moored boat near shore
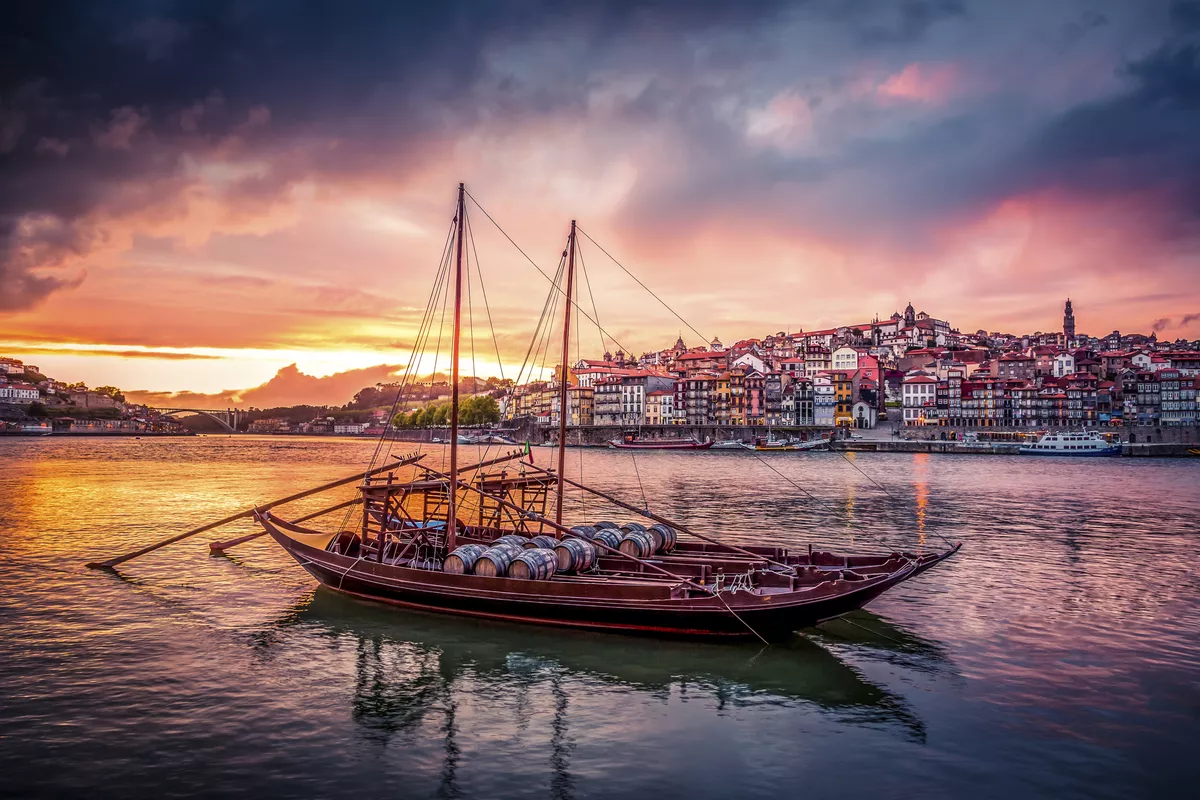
{"points": [[659, 444], [1082, 443]]}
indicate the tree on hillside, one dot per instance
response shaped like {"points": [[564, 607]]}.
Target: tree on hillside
{"points": [[110, 391], [36, 409], [381, 394], [481, 410]]}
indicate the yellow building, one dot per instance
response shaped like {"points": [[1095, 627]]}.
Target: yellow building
{"points": [[721, 399], [737, 396], [843, 396]]}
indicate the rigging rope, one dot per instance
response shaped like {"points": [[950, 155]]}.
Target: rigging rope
{"points": [[813, 497], [553, 282], [409, 370], [850, 461], [588, 283], [644, 286]]}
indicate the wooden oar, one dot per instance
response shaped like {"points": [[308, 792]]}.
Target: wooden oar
{"points": [[112, 562], [220, 547], [665, 521]]}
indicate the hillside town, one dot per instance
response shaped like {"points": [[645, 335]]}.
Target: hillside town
{"points": [[32, 403], [911, 369]]}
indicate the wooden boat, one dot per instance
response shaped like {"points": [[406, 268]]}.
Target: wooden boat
{"points": [[775, 445], [413, 546], [707, 593], [659, 444]]}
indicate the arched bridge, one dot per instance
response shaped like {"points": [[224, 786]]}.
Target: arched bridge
{"points": [[227, 419]]}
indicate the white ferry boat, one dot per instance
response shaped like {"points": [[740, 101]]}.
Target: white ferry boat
{"points": [[1084, 443]]}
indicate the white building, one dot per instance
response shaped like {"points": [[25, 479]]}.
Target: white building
{"points": [[919, 398], [349, 427], [1064, 364], [864, 415], [845, 359], [18, 393], [660, 407], [824, 401], [749, 361]]}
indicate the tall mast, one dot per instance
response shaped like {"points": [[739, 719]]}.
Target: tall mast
{"points": [[451, 517], [562, 388]]}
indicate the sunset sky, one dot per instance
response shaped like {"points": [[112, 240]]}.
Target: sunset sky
{"points": [[196, 196]]}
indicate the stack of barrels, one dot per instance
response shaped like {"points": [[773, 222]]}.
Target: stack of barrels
{"points": [[642, 542], [541, 557], [534, 564], [495, 561]]}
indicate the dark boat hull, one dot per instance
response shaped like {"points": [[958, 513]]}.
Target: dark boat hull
{"points": [[773, 617]]}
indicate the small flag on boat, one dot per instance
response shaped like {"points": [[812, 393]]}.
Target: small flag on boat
{"points": [[529, 452]]}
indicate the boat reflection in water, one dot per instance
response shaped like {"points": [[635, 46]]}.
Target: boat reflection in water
{"points": [[407, 667]]}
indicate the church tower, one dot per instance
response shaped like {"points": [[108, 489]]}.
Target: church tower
{"points": [[1069, 322]]}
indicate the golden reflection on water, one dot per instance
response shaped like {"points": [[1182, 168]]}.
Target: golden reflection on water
{"points": [[850, 526], [921, 491]]}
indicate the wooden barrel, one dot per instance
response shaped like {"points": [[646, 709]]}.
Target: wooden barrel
{"points": [[543, 541], [494, 561], [607, 524], [537, 564], [575, 555], [463, 559], [609, 537], [630, 527], [638, 544], [584, 531], [664, 537], [512, 538]]}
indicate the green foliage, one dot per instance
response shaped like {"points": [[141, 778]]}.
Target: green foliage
{"points": [[111, 391], [441, 413], [36, 409], [480, 410]]}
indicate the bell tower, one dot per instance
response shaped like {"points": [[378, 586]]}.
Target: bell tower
{"points": [[1069, 322]]}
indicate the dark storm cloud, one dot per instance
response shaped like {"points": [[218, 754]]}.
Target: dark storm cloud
{"points": [[100, 101], [1143, 139], [909, 22], [106, 108], [896, 172]]}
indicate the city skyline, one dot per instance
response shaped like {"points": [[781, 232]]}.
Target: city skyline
{"points": [[182, 216]]}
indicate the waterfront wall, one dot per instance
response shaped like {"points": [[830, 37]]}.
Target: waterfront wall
{"points": [[992, 448], [1135, 434]]}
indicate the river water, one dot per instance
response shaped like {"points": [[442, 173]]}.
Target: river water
{"points": [[1057, 655]]}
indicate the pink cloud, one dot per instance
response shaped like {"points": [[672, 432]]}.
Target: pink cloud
{"points": [[924, 83]]}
